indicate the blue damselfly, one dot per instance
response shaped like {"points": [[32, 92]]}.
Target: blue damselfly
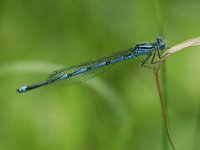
{"points": [[88, 70]]}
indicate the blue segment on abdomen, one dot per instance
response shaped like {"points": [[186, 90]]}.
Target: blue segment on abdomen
{"points": [[98, 65], [64, 77], [79, 71], [117, 59], [130, 56]]}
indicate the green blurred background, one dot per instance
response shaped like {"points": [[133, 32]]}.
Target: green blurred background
{"points": [[118, 110]]}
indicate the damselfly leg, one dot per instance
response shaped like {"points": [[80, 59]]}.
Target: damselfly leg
{"points": [[153, 54]]}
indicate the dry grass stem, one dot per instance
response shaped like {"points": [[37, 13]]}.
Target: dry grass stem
{"points": [[168, 52]]}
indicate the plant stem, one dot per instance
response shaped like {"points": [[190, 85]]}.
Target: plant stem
{"points": [[164, 89], [163, 108]]}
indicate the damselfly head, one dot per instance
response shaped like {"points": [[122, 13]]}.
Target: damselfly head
{"points": [[161, 43]]}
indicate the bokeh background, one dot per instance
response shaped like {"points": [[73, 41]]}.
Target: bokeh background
{"points": [[118, 110]]}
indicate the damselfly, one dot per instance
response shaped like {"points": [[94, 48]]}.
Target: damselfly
{"points": [[89, 69]]}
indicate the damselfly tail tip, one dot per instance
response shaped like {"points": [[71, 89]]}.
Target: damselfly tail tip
{"points": [[18, 90], [22, 89]]}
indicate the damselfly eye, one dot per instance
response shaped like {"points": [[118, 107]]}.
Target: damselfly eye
{"points": [[161, 43], [162, 46]]}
